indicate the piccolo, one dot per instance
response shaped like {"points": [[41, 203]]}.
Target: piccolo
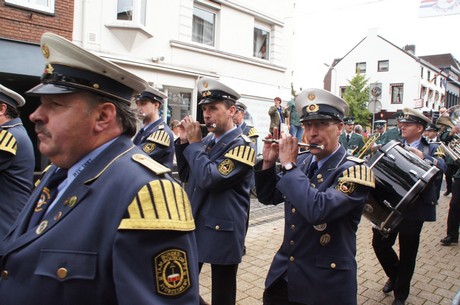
{"points": [[213, 125], [300, 143]]}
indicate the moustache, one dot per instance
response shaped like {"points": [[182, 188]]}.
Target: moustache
{"points": [[40, 128]]}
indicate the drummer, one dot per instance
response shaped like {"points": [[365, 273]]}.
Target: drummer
{"points": [[400, 269]]}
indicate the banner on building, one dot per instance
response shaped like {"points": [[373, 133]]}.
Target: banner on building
{"points": [[433, 8]]}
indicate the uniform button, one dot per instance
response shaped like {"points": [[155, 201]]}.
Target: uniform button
{"points": [[293, 227], [5, 274], [217, 227], [293, 210], [292, 243], [333, 265], [62, 273], [291, 258]]}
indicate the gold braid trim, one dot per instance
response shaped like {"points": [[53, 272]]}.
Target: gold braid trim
{"points": [[243, 153], [161, 137], [8, 142], [253, 133], [151, 164], [160, 205], [359, 174], [440, 152]]}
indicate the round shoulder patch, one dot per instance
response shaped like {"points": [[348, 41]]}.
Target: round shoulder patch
{"points": [[172, 272]]}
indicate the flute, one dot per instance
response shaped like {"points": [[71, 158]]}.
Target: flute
{"points": [[312, 145], [213, 125]]}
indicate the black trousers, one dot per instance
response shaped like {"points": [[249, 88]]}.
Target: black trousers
{"points": [[453, 218], [450, 171], [399, 269], [223, 284], [277, 294]]}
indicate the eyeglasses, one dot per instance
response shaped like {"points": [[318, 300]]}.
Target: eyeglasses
{"points": [[318, 124]]}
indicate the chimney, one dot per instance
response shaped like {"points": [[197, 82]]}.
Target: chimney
{"points": [[410, 48]]}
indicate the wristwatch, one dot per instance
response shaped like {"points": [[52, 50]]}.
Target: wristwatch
{"points": [[288, 166]]}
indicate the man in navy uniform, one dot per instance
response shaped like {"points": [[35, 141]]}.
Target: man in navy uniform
{"points": [[324, 191], [352, 141], [17, 160], [400, 269], [219, 172], [116, 230], [239, 121], [155, 138]]}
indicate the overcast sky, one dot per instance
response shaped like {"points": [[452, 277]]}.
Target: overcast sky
{"points": [[328, 29]]}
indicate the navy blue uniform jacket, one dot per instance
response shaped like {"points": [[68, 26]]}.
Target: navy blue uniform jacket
{"points": [[17, 164], [158, 142], [219, 182], [322, 215], [122, 233]]}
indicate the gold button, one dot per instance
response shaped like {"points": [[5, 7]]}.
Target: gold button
{"points": [[5, 274], [293, 210], [291, 258], [293, 227], [62, 273], [217, 227], [292, 243], [333, 265]]}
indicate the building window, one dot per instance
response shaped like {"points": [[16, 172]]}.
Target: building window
{"points": [[261, 43], [421, 72], [428, 75], [397, 93], [203, 28], [383, 65], [132, 10], [361, 67], [46, 6]]}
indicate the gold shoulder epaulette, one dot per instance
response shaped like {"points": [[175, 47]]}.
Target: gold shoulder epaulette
{"points": [[160, 137], [243, 153], [151, 164], [440, 152], [8, 142], [246, 138], [253, 132], [42, 174], [356, 159], [160, 205], [360, 174]]}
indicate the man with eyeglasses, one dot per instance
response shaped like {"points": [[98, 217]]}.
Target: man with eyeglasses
{"points": [[324, 191]]}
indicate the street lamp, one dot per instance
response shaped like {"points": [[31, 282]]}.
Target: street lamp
{"points": [[335, 76]]}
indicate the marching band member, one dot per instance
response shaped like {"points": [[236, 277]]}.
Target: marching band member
{"points": [[218, 170], [400, 269], [324, 192], [453, 216], [352, 141]]}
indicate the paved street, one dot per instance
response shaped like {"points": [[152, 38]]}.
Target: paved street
{"points": [[436, 279]]}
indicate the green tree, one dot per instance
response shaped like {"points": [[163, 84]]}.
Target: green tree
{"points": [[357, 97]]}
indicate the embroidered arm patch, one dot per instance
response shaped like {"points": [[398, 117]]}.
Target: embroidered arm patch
{"points": [[440, 153], [160, 137], [172, 272], [160, 205], [356, 174], [243, 153], [8, 142]]}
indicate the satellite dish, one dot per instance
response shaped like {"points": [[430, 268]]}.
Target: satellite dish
{"points": [[374, 106]]}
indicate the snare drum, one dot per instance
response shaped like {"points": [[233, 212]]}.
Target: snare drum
{"points": [[400, 177]]}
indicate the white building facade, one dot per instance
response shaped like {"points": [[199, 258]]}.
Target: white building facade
{"points": [[172, 43], [402, 78]]}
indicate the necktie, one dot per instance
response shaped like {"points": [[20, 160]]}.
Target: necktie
{"points": [[47, 196], [210, 145], [312, 169], [348, 137], [138, 137]]}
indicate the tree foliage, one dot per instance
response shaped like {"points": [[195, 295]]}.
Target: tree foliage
{"points": [[357, 96]]}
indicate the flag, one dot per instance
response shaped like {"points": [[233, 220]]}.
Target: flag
{"points": [[433, 8]]}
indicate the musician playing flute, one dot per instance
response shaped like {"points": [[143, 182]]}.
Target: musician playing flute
{"points": [[400, 269], [324, 191]]}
